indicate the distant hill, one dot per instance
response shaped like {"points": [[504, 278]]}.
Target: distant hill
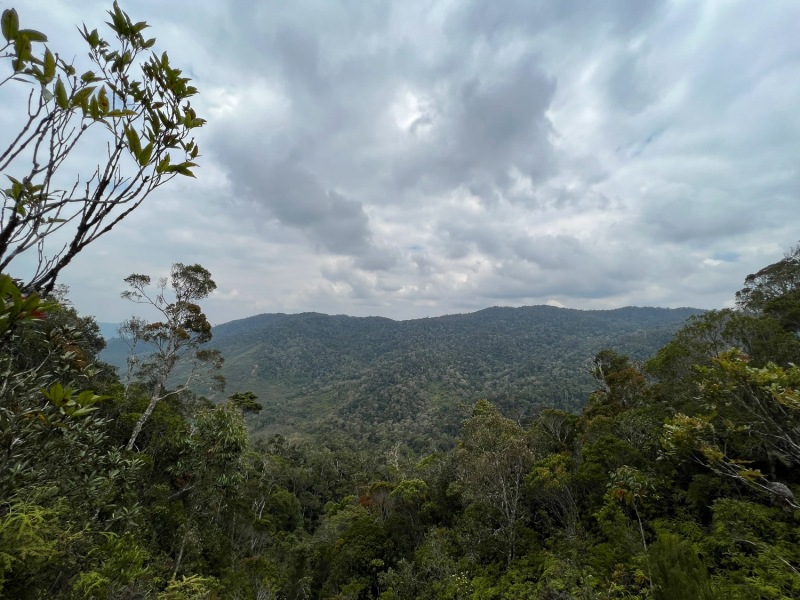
{"points": [[410, 381]]}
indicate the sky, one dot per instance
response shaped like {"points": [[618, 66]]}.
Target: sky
{"points": [[417, 158]]}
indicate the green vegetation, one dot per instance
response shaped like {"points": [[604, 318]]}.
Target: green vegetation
{"points": [[676, 479], [137, 108], [412, 382]]}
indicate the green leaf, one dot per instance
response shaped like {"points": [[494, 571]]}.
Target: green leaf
{"points": [[49, 66], [94, 108], [163, 166], [119, 19], [81, 95], [23, 47], [133, 142], [88, 398], [56, 394], [33, 35], [82, 412], [16, 188], [121, 112], [145, 154], [61, 95], [10, 24], [102, 101], [93, 38], [181, 169], [165, 120]]}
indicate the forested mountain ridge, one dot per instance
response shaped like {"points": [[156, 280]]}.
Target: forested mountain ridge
{"points": [[410, 380], [679, 477]]}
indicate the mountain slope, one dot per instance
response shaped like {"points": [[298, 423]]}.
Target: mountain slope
{"points": [[409, 380]]}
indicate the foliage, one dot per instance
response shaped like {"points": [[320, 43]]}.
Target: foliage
{"points": [[775, 291], [133, 105], [678, 487], [194, 587], [674, 481], [754, 410], [678, 571], [409, 384], [176, 338], [493, 460]]}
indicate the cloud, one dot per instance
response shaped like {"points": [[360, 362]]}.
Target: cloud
{"points": [[297, 199], [418, 158]]}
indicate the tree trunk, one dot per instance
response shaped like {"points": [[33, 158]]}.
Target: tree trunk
{"points": [[155, 398], [137, 429]]}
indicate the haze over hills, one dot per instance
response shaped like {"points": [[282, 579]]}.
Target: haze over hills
{"points": [[410, 380]]}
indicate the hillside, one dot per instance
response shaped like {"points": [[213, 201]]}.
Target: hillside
{"points": [[408, 381], [678, 480]]}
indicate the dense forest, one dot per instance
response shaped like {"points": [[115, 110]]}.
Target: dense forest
{"points": [[410, 383], [676, 477]]}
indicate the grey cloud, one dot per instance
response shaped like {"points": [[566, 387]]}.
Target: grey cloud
{"points": [[502, 122], [630, 84], [614, 147], [464, 235], [425, 265], [298, 50], [483, 123], [494, 19], [294, 196], [678, 213], [376, 259], [484, 111], [359, 285], [516, 279], [551, 252], [297, 199]]}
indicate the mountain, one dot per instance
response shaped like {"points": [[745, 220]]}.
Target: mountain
{"points": [[411, 381]]}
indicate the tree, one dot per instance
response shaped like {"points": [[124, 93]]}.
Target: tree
{"points": [[178, 337], [247, 402], [775, 291], [64, 485], [212, 467], [132, 110], [754, 415], [551, 484], [621, 384], [494, 460], [677, 571]]}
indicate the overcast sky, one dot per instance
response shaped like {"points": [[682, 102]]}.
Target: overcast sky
{"points": [[418, 158]]}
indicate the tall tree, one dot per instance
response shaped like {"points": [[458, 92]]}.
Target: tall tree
{"points": [[177, 337], [128, 107], [494, 459]]}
